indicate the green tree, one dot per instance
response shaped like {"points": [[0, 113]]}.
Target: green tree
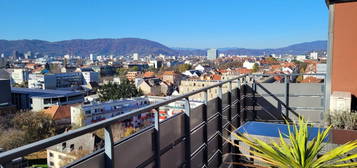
{"points": [[183, 67], [122, 72], [255, 67], [113, 91], [297, 151], [135, 68], [272, 59]]}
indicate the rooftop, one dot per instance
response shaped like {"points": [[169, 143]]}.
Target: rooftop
{"points": [[44, 93]]}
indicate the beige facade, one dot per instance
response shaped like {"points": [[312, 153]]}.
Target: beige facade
{"points": [[171, 77], [132, 75], [187, 86], [152, 90], [68, 151]]}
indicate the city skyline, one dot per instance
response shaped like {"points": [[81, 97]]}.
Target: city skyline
{"points": [[185, 24]]}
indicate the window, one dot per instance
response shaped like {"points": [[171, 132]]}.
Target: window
{"points": [[52, 164], [51, 154], [47, 101], [64, 145], [72, 147], [87, 112]]}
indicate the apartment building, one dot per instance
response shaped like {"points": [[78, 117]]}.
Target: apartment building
{"points": [[56, 81], [187, 86], [133, 74], [19, 76], [39, 99], [66, 152], [86, 114]]}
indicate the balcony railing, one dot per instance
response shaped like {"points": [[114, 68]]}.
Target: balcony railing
{"points": [[189, 139]]}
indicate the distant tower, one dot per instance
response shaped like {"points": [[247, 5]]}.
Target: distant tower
{"points": [[92, 57], [135, 56], [15, 55], [212, 54]]}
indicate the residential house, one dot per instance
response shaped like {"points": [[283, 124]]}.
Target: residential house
{"points": [[151, 86], [171, 77], [133, 74], [61, 114]]}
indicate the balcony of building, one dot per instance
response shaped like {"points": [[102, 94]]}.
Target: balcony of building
{"points": [[193, 138]]}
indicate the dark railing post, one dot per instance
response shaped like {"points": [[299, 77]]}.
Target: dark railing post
{"points": [[187, 133], [205, 128], [229, 113], [287, 95], [235, 156], [239, 101], [254, 99], [157, 137], [220, 125], [243, 94], [108, 147]]}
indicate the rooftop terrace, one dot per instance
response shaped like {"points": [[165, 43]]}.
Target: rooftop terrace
{"points": [[194, 138]]}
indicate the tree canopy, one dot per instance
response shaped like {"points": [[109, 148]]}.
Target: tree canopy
{"points": [[183, 67], [113, 91], [25, 127], [255, 67]]}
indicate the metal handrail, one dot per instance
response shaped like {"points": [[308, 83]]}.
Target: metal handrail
{"points": [[7, 156]]}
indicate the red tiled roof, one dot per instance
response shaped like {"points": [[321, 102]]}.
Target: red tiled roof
{"points": [[216, 77], [169, 73], [57, 112], [149, 74], [244, 71]]}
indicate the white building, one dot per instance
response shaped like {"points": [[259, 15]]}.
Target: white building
{"points": [[82, 115], [91, 76], [66, 152], [203, 68], [248, 64], [55, 81], [212, 54], [314, 55], [135, 56], [41, 81], [92, 57], [19, 76], [301, 58]]}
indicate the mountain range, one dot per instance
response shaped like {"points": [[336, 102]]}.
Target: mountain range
{"points": [[127, 46]]}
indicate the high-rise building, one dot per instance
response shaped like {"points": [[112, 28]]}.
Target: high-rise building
{"points": [[135, 56], [212, 54], [93, 57], [28, 55], [314, 55]]}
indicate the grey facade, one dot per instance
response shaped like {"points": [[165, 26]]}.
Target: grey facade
{"points": [[38, 99], [5, 92]]}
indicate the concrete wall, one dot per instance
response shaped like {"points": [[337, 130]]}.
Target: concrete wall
{"points": [[306, 99], [344, 50]]}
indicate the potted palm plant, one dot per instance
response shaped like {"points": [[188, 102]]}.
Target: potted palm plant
{"points": [[295, 150]]}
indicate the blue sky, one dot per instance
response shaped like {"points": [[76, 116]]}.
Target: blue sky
{"points": [[175, 23]]}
